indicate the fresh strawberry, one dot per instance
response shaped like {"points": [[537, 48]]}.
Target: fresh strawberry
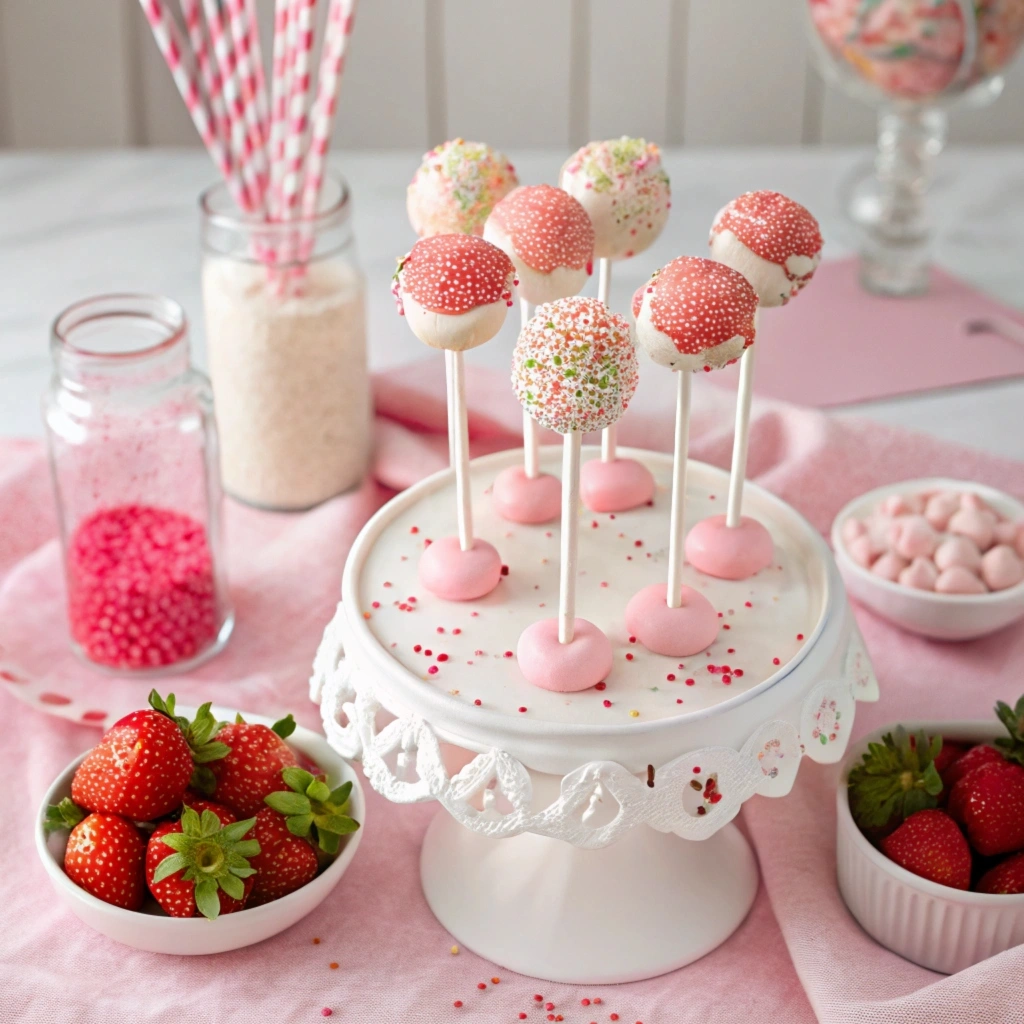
{"points": [[965, 764], [1006, 877], [989, 802], [195, 864], [104, 855], [950, 753], [252, 769], [311, 808], [144, 762], [895, 779], [929, 844], [286, 862], [200, 804]]}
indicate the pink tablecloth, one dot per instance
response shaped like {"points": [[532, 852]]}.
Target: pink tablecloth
{"points": [[798, 957]]}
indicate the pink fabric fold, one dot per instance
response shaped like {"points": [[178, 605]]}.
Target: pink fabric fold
{"points": [[799, 956]]}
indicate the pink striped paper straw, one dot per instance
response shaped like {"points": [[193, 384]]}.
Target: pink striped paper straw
{"points": [[209, 76], [298, 119], [238, 24], [340, 20], [256, 52], [165, 32], [241, 140], [280, 86]]}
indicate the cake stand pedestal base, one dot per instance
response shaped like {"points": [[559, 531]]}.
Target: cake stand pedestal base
{"points": [[643, 906]]}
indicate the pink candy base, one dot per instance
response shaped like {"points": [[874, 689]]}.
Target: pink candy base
{"points": [[729, 553], [523, 499], [675, 632], [615, 486], [456, 575], [564, 668]]}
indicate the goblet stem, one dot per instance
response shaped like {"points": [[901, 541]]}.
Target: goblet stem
{"points": [[897, 245]]}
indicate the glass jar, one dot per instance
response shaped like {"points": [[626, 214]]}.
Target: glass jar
{"points": [[133, 451], [284, 304]]}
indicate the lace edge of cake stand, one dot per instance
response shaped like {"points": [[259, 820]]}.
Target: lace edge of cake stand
{"points": [[693, 795]]}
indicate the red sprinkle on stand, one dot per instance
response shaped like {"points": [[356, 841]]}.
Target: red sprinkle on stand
{"points": [[141, 590]]}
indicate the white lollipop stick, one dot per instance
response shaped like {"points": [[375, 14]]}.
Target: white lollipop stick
{"points": [[531, 444], [741, 435], [451, 408], [677, 518], [457, 400], [570, 532], [604, 287]]}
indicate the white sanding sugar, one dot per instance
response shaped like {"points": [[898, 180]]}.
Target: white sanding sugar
{"points": [[290, 381]]}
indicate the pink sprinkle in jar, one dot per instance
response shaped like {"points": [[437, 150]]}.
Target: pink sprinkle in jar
{"points": [[133, 451]]}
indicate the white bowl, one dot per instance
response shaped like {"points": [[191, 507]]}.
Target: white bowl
{"points": [[156, 933], [933, 925], [939, 616]]}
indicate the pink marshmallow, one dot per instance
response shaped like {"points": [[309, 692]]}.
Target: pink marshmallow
{"points": [[958, 580], [960, 551], [854, 528], [974, 501], [977, 525], [915, 537], [862, 551], [889, 566], [902, 504], [940, 507], [1001, 568], [1005, 532], [921, 574]]}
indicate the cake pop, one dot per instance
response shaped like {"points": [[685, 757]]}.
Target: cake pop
{"points": [[549, 237], [694, 314], [454, 291], [625, 190], [776, 245], [574, 369], [456, 187]]}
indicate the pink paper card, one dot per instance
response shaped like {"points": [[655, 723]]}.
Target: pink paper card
{"points": [[836, 344]]}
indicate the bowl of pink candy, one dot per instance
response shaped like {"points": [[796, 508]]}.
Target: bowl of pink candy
{"points": [[943, 558]]}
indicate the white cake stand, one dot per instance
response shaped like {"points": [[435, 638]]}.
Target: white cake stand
{"points": [[553, 856]]}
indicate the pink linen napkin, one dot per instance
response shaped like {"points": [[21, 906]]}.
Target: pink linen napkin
{"points": [[798, 957]]}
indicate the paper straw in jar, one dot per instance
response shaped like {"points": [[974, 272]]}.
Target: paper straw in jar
{"points": [[209, 76], [165, 32], [340, 19], [280, 91], [298, 118], [256, 52], [241, 37]]}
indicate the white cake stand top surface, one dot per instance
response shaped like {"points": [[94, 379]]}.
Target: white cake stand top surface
{"points": [[465, 652]]}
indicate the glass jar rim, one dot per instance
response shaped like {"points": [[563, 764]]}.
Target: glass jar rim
{"points": [[220, 209], [159, 309]]}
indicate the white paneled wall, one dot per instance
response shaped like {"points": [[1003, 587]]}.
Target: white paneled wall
{"points": [[533, 73]]}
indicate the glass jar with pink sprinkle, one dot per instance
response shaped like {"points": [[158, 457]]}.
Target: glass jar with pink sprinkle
{"points": [[134, 455]]}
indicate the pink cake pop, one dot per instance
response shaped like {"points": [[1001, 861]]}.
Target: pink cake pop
{"points": [[776, 245], [454, 291], [574, 369], [694, 314], [456, 187], [549, 237], [625, 190]]}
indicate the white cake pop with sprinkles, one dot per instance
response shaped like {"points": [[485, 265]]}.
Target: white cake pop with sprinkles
{"points": [[624, 189], [454, 290], [774, 242], [548, 236], [455, 188]]}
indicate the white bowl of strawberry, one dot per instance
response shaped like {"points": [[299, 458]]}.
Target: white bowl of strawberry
{"points": [[930, 847], [179, 835]]}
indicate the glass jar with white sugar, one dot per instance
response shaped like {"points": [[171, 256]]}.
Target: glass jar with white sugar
{"points": [[285, 313]]}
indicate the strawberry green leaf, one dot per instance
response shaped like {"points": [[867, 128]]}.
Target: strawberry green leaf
{"points": [[242, 872], [341, 794], [239, 720], [209, 823], [233, 886], [207, 900], [285, 727], [157, 703], [177, 840], [247, 848], [66, 814], [296, 779], [299, 824], [329, 842], [339, 824], [203, 780], [235, 831], [318, 791], [190, 823], [1011, 746], [210, 752], [288, 803], [169, 865]]}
